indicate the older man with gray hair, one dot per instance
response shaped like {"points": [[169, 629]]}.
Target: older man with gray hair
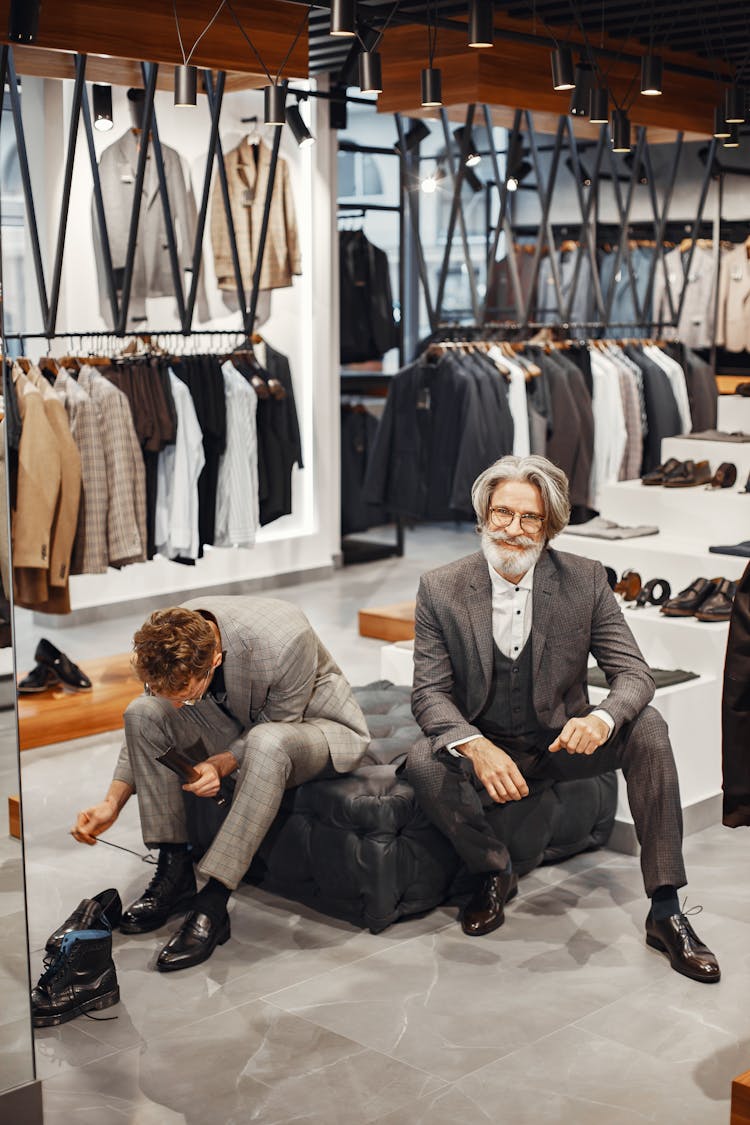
{"points": [[501, 651]]}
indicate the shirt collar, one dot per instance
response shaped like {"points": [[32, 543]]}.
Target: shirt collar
{"points": [[502, 586]]}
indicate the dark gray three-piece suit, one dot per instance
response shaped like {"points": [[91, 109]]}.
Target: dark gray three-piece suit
{"points": [[288, 715], [457, 670]]}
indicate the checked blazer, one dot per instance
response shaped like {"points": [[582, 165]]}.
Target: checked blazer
{"points": [[574, 613]]}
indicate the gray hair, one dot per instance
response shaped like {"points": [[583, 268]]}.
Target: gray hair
{"points": [[548, 478]]}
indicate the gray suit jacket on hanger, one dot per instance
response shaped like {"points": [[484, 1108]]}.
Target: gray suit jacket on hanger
{"points": [[574, 613]]}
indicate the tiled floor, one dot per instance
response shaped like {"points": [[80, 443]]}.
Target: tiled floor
{"points": [[563, 1015]]}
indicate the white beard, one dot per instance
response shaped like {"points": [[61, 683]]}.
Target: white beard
{"points": [[509, 561]]}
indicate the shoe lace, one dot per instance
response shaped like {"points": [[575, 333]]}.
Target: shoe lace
{"points": [[697, 909], [54, 965]]}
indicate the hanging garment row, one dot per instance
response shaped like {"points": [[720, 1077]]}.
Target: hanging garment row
{"points": [[116, 459], [702, 319], [598, 409]]}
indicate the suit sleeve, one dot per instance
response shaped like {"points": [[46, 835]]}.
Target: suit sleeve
{"points": [[433, 696], [613, 646], [293, 681]]}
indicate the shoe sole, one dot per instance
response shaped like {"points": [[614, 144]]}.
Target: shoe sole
{"points": [[712, 617], [678, 612], [146, 928], [189, 963], [95, 1005], [660, 947]]}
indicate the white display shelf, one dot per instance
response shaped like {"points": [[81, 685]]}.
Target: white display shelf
{"points": [[734, 414], [676, 558], [715, 452], [704, 517]]}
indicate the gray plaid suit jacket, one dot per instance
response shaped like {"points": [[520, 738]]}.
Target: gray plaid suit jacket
{"points": [[277, 670], [574, 613]]}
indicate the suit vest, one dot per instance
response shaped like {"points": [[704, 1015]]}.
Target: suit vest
{"points": [[509, 719]]}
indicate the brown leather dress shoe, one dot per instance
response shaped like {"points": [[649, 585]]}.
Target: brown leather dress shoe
{"points": [[690, 599], [658, 475], [687, 953], [484, 911], [689, 475], [718, 606]]}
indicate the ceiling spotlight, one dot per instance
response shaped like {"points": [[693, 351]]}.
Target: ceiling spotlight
{"points": [[584, 176], [23, 20], [620, 131], [472, 156], [370, 73], [516, 174], [733, 140], [185, 85], [721, 128], [413, 138], [274, 100], [481, 31], [599, 105], [343, 18], [102, 107], [302, 134], [734, 105], [652, 68], [580, 96], [432, 87], [472, 179], [430, 183], [642, 173], [563, 72]]}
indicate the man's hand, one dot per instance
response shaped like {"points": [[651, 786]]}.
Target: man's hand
{"points": [[208, 783], [582, 735], [496, 770], [93, 821]]}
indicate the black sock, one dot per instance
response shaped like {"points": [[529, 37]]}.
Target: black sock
{"points": [[664, 903], [212, 899], [173, 849]]}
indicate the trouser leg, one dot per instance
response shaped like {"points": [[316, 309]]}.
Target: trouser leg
{"points": [[275, 757], [642, 750], [448, 792], [151, 726]]}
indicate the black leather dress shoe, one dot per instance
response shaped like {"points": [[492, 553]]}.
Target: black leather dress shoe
{"points": [[70, 674], [102, 912], [691, 598], [718, 606], [169, 892], [484, 911], [40, 678], [687, 953], [194, 942]]}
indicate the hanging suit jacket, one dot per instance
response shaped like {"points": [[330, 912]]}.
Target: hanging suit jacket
{"points": [[152, 273], [90, 554], [733, 316], [735, 711], [367, 327], [247, 167]]}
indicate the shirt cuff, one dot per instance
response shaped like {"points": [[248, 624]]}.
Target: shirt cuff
{"points": [[452, 746], [606, 718]]}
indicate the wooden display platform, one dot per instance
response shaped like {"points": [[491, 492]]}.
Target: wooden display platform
{"points": [[388, 622], [740, 1107], [14, 817], [58, 715]]}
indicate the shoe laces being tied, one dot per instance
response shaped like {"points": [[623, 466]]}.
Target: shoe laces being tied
{"points": [[164, 876]]}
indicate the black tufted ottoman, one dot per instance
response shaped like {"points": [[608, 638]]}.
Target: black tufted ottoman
{"points": [[358, 847]]}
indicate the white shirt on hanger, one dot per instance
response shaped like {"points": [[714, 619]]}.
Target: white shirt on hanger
{"points": [[178, 469], [516, 401], [610, 432], [237, 503], [676, 376]]}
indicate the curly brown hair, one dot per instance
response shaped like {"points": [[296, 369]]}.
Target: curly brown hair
{"points": [[171, 648]]}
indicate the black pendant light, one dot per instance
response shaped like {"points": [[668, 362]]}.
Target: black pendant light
{"points": [[23, 20], [721, 128], [370, 73], [620, 130], [102, 107], [185, 85], [580, 97], [734, 105], [343, 18], [563, 71], [274, 101], [481, 31], [599, 106], [652, 69], [302, 134], [733, 140], [432, 86]]}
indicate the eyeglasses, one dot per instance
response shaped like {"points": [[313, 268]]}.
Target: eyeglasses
{"points": [[530, 522]]}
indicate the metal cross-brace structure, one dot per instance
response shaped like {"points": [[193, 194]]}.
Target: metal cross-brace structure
{"points": [[605, 168], [49, 299]]}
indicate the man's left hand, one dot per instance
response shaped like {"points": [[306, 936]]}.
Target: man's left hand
{"points": [[582, 735], [208, 783]]}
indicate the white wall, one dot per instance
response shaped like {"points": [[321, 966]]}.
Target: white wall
{"points": [[303, 320]]}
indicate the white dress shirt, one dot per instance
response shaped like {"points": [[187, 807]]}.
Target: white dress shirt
{"points": [[511, 627], [178, 469]]}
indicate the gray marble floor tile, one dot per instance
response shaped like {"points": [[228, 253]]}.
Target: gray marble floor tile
{"points": [[577, 1077], [16, 1051]]}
